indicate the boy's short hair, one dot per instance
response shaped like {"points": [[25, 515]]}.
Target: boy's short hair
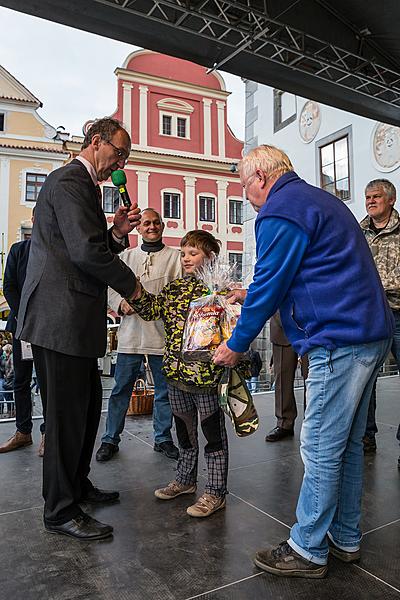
{"points": [[203, 240]]}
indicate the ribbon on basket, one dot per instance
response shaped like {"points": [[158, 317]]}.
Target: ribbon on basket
{"points": [[236, 401]]}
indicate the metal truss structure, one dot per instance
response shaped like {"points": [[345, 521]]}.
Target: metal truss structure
{"points": [[344, 53], [244, 27]]}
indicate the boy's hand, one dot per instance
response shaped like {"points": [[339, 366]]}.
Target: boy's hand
{"points": [[224, 356], [125, 308], [136, 294]]}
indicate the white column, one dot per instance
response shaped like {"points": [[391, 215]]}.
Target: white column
{"points": [[221, 128], [4, 204], [143, 115], [127, 106], [222, 185], [207, 125], [143, 188], [190, 203]]}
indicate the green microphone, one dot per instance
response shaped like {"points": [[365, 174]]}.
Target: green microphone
{"points": [[118, 178]]}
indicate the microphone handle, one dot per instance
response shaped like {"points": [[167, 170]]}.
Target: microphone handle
{"points": [[126, 201]]}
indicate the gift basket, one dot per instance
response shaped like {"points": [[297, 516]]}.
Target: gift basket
{"points": [[211, 318]]}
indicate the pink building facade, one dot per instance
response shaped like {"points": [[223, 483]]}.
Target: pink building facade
{"points": [[182, 149]]}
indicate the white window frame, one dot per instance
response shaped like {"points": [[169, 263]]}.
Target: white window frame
{"points": [[179, 219], [235, 199], [23, 174], [4, 113], [206, 195], [174, 124]]}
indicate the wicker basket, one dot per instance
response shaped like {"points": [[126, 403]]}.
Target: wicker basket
{"points": [[142, 398]]}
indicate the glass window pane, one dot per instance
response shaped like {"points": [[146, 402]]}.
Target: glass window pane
{"points": [[181, 127], [343, 189], [342, 168], [1, 121], [330, 188], [341, 149], [166, 125], [327, 154], [328, 174]]}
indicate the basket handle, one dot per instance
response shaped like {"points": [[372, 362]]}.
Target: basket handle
{"points": [[140, 386]]}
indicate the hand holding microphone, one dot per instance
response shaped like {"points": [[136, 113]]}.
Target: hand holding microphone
{"points": [[128, 216]]}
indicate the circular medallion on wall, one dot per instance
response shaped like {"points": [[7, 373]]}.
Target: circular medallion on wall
{"points": [[386, 147], [309, 121], [87, 126]]}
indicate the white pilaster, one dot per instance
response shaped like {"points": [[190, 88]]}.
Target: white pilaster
{"points": [[190, 203], [143, 115], [143, 189], [127, 106], [221, 128], [222, 185], [207, 125], [4, 205]]}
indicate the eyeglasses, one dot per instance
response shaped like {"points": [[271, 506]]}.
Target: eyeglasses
{"points": [[122, 155], [245, 185]]}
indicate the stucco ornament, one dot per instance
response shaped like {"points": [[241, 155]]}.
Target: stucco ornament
{"points": [[386, 147], [309, 121]]}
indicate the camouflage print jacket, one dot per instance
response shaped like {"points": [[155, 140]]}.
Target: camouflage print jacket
{"points": [[385, 248], [172, 306]]}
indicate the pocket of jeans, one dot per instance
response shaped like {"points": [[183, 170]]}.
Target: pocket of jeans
{"points": [[365, 354]]}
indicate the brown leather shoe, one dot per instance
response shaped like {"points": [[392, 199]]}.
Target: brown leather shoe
{"points": [[41, 447], [18, 440]]}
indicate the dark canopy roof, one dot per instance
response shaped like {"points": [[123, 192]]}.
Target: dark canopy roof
{"points": [[345, 53]]}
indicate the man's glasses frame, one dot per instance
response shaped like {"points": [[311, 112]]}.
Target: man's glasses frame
{"points": [[122, 155]]}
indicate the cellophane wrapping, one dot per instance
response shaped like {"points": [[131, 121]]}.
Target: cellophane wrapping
{"points": [[211, 318]]}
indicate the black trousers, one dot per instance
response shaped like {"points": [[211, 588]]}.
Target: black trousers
{"points": [[22, 390], [72, 390]]}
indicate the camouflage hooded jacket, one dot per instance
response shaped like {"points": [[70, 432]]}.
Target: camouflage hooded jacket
{"points": [[385, 248], [172, 306]]}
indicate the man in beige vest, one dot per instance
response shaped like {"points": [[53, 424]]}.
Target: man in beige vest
{"points": [[155, 265]]}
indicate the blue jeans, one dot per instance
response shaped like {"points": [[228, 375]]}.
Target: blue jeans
{"points": [[339, 387], [126, 372], [371, 428]]}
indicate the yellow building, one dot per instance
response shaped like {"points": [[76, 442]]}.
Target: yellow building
{"points": [[30, 148]]}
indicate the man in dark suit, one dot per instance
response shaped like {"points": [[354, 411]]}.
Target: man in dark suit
{"points": [[62, 313], [14, 277]]}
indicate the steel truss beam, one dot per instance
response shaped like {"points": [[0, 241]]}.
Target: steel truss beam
{"points": [[240, 27]]}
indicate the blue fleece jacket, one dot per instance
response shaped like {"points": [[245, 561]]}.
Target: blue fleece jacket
{"points": [[314, 264]]}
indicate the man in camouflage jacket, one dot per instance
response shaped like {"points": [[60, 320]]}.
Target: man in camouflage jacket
{"points": [[381, 227]]}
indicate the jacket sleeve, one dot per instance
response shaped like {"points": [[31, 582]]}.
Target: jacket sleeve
{"points": [[152, 307], [80, 227], [10, 282], [280, 249]]}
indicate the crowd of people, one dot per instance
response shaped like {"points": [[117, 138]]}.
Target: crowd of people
{"points": [[330, 287]]}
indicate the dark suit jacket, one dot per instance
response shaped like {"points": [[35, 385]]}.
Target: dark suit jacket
{"points": [[14, 277], [71, 262]]}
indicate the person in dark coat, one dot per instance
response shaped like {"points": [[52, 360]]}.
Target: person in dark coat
{"points": [[72, 260]]}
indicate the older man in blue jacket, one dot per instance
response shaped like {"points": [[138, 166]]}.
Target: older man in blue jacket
{"points": [[314, 264]]}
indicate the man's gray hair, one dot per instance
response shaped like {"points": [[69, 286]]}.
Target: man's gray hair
{"points": [[388, 188], [153, 210]]}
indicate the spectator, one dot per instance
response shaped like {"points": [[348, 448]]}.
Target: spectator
{"points": [[155, 264], [285, 361], [7, 383], [381, 228], [314, 264]]}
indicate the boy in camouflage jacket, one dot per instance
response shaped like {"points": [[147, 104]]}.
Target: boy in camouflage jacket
{"points": [[192, 386]]}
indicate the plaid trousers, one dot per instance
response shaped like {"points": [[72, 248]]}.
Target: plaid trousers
{"points": [[186, 407]]}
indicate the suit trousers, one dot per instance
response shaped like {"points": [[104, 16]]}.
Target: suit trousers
{"points": [[285, 362], [22, 390], [71, 388]]}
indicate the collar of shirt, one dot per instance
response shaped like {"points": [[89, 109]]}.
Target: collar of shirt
{"points": [[90, 169]]}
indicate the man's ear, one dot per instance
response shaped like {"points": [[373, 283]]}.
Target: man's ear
{"points": [[260, 175], [96, 140]]}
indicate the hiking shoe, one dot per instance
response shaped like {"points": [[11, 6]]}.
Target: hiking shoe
{"points": [[369, 444], [174, 489], [106, 452], [285, 562], [206, 505], [343, 555]]}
